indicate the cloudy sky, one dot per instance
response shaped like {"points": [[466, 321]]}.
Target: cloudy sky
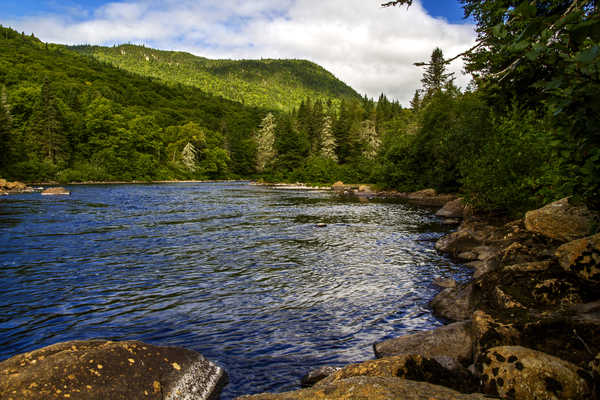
{"points": [[369, 47]]}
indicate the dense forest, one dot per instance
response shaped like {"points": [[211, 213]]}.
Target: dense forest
{"points": [[274, 84], [525, 132]]}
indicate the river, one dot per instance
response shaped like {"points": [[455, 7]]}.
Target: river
{"points": [[246, 275]]}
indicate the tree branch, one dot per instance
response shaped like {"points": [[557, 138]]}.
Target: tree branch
{"points": [[408, 3]]}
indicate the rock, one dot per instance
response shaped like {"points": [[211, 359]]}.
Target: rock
{"points": [[454, 304], [536, 266], [516, 372], [3, 182], [452, 209], [423, 193], [451, 221], [556, 292], [562, 221], [444, 282], [573, 338], [100, 369], [55, 191], [370, 388], [365, 189], [454, 341], [338, 186], [317, 375], [483, 267], [3, 193], [456, 243], [15, 186], [489, 333], [413, 367], [581, 257]]}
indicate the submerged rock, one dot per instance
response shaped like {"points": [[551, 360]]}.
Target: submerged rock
{"points": [[454, 341], [516, 372], [100, 369], [562, 221], [370, 388], [55, 191], [581, 257]]}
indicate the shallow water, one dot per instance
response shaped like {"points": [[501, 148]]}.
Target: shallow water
{"points": [[240, 273]]}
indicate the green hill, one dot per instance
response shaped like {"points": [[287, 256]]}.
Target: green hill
{"points": [[67, 116], [274, 84]]}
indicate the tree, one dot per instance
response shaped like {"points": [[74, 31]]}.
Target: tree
{"points": [[265, 140], [48, 125], [188, 157], [370, 138], [327, 145], [415, 103], [5, 127], [435, 77]]}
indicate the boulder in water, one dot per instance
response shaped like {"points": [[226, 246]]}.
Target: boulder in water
{"points": [[55, 191]]}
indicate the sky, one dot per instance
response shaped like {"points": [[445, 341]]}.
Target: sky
{"points": [[369, 47]]}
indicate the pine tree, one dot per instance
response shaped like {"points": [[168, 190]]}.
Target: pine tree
{"points": [[415, 103], [188, 157], [435, 77], [370, 138], [328, 145], [265, 140], [48, 125], [5, 127]]}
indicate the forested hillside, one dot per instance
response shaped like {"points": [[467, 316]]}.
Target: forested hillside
{"points": [[274, 84], [70, 117]]}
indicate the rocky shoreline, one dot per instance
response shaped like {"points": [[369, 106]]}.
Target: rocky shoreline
{"points": [[527, 326]]}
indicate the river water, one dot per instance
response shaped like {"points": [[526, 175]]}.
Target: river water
{"points": [[243, 274]]}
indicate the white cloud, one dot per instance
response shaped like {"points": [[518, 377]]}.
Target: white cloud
{"points": [[369, 47]]}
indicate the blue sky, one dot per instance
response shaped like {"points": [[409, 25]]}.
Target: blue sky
{"points": [[369, 47]]}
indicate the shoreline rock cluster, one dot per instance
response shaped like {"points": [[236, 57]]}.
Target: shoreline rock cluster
{"points": [[16, 187], [527, 326]]}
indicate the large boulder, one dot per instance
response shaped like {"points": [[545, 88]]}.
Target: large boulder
{"points": [[413, 367], [562, 221], [454, 341], [516, 372], [582, 257], [370, 388], [100, 369], [452, 209]]}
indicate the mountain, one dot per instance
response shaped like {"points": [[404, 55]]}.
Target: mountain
{"points": [[66, 116], [273, 84]]}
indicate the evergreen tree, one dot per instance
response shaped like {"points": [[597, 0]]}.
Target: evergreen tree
{"points": [[188, 157], [370, 138], [5, 127], [435, 77], [48, 125], [327, 145], [265, 140], [415, 103]]}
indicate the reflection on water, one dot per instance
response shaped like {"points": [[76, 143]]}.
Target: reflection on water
{"points": [[248, 276]]}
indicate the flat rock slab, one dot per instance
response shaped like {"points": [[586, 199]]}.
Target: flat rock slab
{"points": [[101, 369], [370, 388], [454, 341]]}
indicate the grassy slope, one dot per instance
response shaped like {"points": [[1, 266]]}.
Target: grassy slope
{"points": [[275, 84]]}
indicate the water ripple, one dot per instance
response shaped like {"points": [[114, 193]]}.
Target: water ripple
{"points": [[246, 275]]}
